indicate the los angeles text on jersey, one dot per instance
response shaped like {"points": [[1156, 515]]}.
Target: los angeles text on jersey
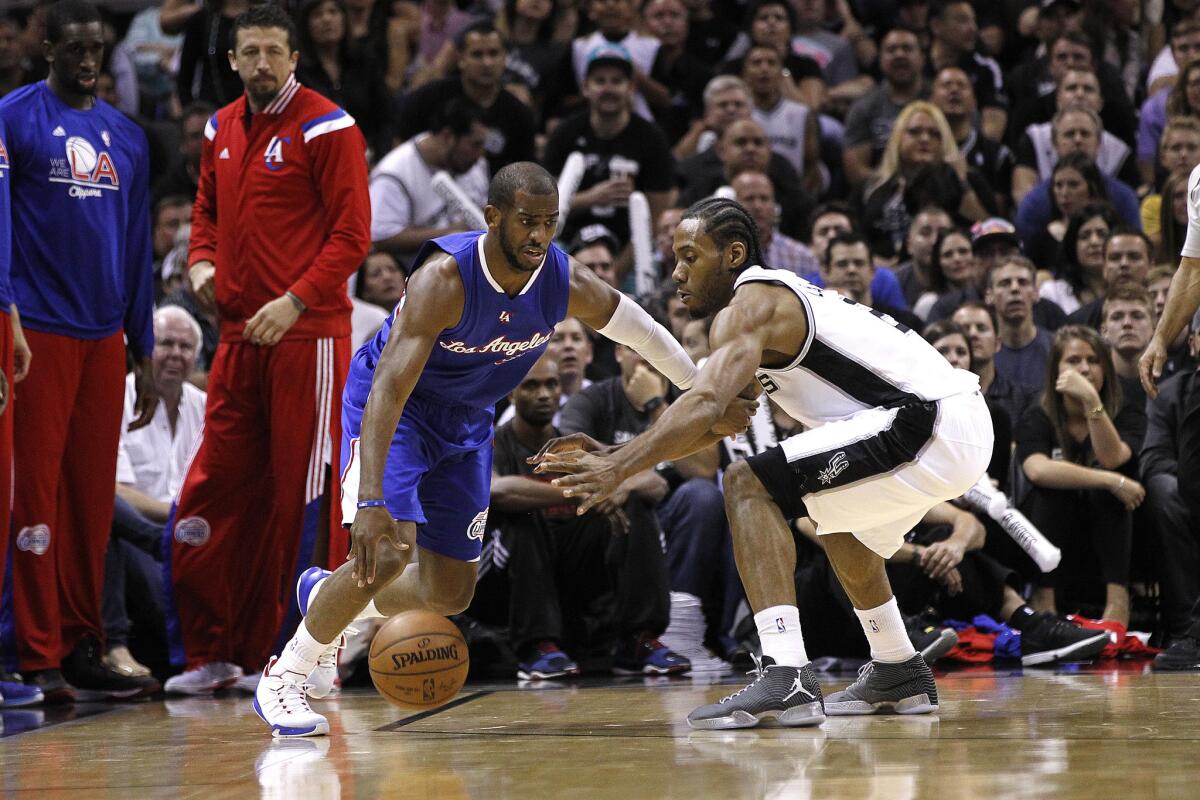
{"points": [[87, 171], [500, 345]]}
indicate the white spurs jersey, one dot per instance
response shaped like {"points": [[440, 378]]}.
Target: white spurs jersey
{"points": [[853, 358]]}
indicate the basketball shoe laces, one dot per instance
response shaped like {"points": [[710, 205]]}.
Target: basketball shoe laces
{"points": [[329, 656], [292, 696], [758, 670]]}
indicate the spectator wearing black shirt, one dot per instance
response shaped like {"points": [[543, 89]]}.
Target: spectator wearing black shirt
{"points": [[183, 176], [1077, 450], [1126, 327], [953, 94], [955, 33], [332, 64], [567, 574], [622, 152], [481, 56], [204, 69]]}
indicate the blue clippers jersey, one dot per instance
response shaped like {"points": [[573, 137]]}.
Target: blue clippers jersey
{"points": [[5, 225], [82, 263], [499, 337]]}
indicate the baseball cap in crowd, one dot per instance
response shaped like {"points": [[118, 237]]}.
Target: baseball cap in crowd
{"points": [[993, 229], [609, 54], [593, 234]]}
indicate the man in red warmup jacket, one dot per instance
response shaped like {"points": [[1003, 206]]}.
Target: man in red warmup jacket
{"points": [[281, 220]]}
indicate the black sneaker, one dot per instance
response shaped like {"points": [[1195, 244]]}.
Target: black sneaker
{"points": [[53, 685], [645, 655], [94, 681], [1182, 655], [1047, 638], [789, 694], [905, 688], [929, 639]]}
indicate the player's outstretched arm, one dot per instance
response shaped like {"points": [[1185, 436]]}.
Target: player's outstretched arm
{"points": [[432, 302], [738, 336], [616, 317]]}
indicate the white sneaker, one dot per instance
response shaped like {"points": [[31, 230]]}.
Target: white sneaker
{"points": [[200, 681], [321, 681], [281, 702]]}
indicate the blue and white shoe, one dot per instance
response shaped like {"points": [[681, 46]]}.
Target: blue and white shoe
{"points": [[281, 702], [547, 662], [15, 695], [321, 680]]}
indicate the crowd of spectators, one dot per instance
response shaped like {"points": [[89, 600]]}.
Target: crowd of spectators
{"points": [[1014, 174]]}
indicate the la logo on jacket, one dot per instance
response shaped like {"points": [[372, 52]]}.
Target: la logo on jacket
{"points": [[274, 155]]}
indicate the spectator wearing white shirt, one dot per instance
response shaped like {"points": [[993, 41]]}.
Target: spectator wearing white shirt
{"points": [[405, 209], [151, 464]]}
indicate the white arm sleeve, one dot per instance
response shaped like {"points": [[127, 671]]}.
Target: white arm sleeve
{"points": [[632, 326], [1191, 244]]}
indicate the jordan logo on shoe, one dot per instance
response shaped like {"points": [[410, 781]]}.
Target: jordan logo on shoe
{"points": [[798, 688]]}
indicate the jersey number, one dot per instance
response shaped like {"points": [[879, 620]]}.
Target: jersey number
{"points": [[769, 386], [889, 320]]}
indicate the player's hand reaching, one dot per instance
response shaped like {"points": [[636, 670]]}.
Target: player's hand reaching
{"points": [[564, 444], [271, 322], [587, 477], [373, 528], [736, 418]]}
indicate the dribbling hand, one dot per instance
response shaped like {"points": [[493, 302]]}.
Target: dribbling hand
{"points": [[373, 528]]}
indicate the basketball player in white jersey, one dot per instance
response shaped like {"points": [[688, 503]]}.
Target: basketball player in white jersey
{"points": [[893, 430]]}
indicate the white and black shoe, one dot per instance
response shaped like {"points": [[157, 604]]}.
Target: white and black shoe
{"points": [[904, 688], [789, 694], [1049, 639]]}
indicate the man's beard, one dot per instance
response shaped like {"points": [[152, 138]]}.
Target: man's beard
{"points": [[511, 254]]}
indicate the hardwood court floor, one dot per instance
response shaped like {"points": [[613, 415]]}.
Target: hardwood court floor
{"points": [[1101, 735]]}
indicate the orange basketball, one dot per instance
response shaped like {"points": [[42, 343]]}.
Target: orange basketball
{"points": [[419, 660]]}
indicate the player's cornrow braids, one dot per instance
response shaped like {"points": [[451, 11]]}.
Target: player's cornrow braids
{"points": [[728, 221]]}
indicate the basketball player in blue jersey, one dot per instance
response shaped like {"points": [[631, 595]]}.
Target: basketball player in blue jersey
{"points": [[891, 431], [417, 424]]}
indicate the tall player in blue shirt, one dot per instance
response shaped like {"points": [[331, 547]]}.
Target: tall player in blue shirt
{"points": [[82, 277], [417, 419]]}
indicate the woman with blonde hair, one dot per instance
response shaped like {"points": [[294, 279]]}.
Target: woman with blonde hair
{"points": [[1077, 450], [921, 163]]}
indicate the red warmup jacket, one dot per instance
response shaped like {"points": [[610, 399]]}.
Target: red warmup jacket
{"points": [[283, 206]]}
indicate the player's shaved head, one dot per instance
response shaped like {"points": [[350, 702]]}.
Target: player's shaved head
{"points": [[68, 12], [521, 176]]}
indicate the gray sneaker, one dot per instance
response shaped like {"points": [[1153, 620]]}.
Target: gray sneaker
{"points": [[906, 688], [789, 694]]}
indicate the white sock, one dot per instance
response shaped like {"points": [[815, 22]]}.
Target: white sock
{"points": [[779, 632], [885, 631], [299, 654]]}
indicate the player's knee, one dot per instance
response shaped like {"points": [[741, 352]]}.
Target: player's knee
{"points": [[740, 482], [389, 563], [450, 600]]}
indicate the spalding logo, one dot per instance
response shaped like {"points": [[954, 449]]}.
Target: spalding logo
{"points": [[478, 526], [445, 652], [193, 530], [34, 539]]}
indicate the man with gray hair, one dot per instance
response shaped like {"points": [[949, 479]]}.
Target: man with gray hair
{"points": [[1076, 127], [726, 99], [151, 464]]}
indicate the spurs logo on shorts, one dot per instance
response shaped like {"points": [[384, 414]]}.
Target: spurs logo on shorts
{"points": [[837, 465], [193, 530], [478, 525], [34, 539]]}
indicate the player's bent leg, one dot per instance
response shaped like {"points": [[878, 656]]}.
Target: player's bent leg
{"points": [[436, 583], [896, 679], [786, 687], [329, 603]]}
